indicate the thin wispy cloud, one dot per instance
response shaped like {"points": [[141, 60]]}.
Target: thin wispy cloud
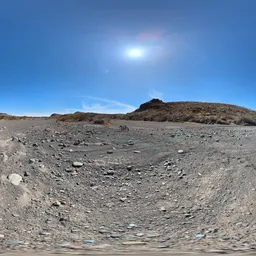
{"points": [[89, 104], [106, 106], [154, 94]]}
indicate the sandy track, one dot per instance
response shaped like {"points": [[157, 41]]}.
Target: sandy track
{"points": [[134, 253], [133, 186]]}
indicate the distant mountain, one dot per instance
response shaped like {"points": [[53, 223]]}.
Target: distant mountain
{"points": [[4, 116]]}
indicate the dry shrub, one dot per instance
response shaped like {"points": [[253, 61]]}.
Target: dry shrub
{"points": [[107, 124], [188, 118], [99, 121], [161, 118], [211, 120], [222, 121], [245, 121]]}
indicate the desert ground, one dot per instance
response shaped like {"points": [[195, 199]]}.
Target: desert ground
{"points": [[159, 187]]}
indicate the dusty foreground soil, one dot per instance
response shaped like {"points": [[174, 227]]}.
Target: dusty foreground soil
{"points": [[159, 186]]}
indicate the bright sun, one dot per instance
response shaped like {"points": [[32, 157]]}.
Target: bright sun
{"points": [[135, 53]]}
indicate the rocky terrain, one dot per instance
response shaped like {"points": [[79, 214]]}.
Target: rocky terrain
{"points": [[161, 186], [198, 112], [189, 112]]}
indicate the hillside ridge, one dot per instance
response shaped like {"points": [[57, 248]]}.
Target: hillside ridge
{"points": [[193, 112], [160, 111]]}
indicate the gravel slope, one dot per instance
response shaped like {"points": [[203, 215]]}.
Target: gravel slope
{"points": [[159, 185]]}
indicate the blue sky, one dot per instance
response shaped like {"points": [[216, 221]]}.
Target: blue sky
{"points": [[71, 55]]}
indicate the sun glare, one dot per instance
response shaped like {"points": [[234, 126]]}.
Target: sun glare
{"points": [[135, 53]]}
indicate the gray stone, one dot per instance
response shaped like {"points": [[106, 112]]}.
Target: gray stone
{"points": [[57, 203], [103, 231], [200, 236], [131, 226], [153, 235], [110, 172], [226, 238], [89, 241], [44, 233], [26, 174], [15, 179], [163, 209], [64, 244], [115, 235], [212, 230], [129, 167], [77, 164], [14, 242], [32, 160]]}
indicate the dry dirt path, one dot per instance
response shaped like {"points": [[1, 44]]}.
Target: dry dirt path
{"points": [[134, 253], [173, 186]]}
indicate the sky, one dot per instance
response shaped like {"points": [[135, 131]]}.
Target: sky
{"points": [[110, 56]]}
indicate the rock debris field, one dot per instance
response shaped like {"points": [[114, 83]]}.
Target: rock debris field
{"points": [[159, 185]]}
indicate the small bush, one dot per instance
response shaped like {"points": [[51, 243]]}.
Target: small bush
{"points": [[245, 121], [99, 121], [161, 118], [221, 121], [188, 118], [195, 120]]}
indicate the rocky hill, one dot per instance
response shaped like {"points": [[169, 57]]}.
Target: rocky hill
{"points": [[157, 110], [198, 112]]}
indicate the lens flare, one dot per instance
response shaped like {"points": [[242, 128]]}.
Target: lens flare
{"points": [[135, 53]]}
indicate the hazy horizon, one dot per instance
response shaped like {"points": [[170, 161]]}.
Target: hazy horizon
{"points": [[63, 56]]}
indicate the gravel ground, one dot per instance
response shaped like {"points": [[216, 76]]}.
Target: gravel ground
{"points": [[158, 186]]}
